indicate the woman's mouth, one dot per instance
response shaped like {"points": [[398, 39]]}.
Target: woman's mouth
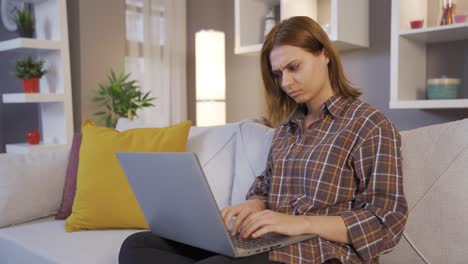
{"points": [[294, 93]]}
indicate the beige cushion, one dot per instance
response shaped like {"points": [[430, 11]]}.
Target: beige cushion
{"points": [[435, 173], [31, 185]]}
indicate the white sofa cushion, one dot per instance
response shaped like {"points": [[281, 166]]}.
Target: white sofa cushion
{"points": [[45, 241], [215, 148], [252, 146], [435, 177], [31, 185]]}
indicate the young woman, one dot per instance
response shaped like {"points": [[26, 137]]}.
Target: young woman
{"points": [[334, 166]]}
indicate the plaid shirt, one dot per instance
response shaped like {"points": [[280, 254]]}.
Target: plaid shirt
{"points": [[348, 163]]}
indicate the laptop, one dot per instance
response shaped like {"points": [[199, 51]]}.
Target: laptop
{"points": [[177, 203]]}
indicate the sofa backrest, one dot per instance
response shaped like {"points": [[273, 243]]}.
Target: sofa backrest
{"points": [[435, 175]]}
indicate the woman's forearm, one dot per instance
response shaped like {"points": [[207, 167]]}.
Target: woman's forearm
{"points": [[331, 228]]}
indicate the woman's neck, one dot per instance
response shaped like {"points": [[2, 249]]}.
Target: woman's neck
{"points": [[315, 105]]}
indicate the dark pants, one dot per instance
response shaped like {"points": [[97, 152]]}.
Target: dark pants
{"points": [[144, 247]]}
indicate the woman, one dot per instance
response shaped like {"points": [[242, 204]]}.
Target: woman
{"points": [[334, 166]]}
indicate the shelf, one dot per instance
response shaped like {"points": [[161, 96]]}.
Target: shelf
{"points": [[270, 2], [34, 1], [54, 102], [438, 34], [25, 44], [254, 50], [27, 148], [348, 21], [429, 104], [32, 98], [413, 60]]}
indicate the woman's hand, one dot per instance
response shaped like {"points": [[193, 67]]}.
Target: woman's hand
{"points": [[268, 221], [241, 212]]}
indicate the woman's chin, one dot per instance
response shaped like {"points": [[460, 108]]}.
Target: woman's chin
{"points": [[298, 100]]}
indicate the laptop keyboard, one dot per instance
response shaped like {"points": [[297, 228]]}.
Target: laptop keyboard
{"points": [[264, 240]]}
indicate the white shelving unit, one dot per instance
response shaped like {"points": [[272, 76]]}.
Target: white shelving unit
{"points": [[25, 45], [348, 21], [55, 96], [27, 148], [33, 98], [408, 76]]}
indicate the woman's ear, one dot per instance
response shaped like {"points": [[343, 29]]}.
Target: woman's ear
{"points": [[324, 53]]}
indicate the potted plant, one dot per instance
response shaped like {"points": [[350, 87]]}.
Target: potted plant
{"points": [[30, 71], [24, 20], [120, 98]]}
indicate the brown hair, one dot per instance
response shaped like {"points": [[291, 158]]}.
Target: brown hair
{"points": [[305, 33]]}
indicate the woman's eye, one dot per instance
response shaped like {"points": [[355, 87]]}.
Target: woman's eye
{"points": [[293, 68]]}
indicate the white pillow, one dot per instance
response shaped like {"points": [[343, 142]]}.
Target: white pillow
{"points": [[252, 146], [31, 185]]}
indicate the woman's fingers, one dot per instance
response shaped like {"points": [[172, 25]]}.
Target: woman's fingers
{"points": [[240, 218], [256, 223], [229, 214], [224, 211], [252, 218], [264, 230], [241, 212]]}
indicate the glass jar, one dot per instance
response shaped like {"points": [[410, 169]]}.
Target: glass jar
{"points": [[443, 88], [447, 12]]}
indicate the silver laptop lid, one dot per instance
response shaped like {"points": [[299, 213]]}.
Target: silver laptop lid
{"points": [[176, 199]]}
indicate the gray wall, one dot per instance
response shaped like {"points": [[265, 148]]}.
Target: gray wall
{"points": [[15, 119], [368, 69]]}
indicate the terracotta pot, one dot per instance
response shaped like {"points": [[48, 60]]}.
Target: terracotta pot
{"points": [[31, 85]]}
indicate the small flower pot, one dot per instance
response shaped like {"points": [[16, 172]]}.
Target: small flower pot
{"points": [[31, 85], [26, 32]]}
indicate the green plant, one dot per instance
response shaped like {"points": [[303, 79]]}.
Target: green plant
{"points": [[24, 18], [120, 98], [29, 68]]}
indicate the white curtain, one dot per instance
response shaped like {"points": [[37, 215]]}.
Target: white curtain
{"points": [[156, 56]]}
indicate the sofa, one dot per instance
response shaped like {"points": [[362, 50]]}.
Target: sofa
{"points": [[435, 169]]}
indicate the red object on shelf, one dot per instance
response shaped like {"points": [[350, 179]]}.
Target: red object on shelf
{"points": [[31, 85], [416, 23], [33, 137]]}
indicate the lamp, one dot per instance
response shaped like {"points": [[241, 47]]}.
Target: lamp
{"points": [[210, 78]]}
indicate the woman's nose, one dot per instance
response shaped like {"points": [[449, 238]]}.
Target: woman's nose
{"points": [[286, 80]]}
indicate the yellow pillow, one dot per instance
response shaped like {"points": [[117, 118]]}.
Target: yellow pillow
{"points": [[103, 198]]}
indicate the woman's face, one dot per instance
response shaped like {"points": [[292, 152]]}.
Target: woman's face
{"points": [[302, 75]]}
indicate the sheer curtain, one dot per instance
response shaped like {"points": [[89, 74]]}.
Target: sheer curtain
{"points": [[156, 56]]}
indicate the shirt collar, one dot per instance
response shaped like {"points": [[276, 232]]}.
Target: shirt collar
{"points": [[332, 106], [335, 104]]}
